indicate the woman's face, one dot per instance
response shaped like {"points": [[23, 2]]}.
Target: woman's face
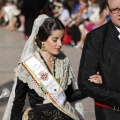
{"points": [[54, 42]]}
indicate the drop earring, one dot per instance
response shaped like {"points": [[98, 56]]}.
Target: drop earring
{"points": [[43, 48]]}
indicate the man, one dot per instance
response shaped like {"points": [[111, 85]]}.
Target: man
{"points": [[101, 53]]}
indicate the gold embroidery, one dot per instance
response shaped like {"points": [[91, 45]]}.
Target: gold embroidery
{"points": [[58, 80]]}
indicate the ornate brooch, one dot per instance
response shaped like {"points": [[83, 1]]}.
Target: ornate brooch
{"points": [[44, 76]]}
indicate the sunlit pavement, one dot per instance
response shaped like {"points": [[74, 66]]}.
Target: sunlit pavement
{"points": [[11, 45]]}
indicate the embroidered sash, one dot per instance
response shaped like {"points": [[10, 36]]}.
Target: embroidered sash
{"points": [[49, 86]]}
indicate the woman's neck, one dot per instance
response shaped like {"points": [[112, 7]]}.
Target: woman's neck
{"points": [[47, 56], [48, 60]]}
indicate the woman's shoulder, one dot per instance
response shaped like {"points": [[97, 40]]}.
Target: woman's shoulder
{"points": [[61, 55], [29, 56]]}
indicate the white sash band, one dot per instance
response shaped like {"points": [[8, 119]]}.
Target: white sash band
{"points": [[49, 86]]}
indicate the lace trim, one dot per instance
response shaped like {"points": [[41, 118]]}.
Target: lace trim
{"points": [[79, 107], [26, 78], [7, 112], [63, 72]]}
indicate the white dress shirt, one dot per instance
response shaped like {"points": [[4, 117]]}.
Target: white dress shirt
{"points": [[118, 31]]}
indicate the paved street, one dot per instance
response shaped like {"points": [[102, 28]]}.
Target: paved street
{"points": [[11, 45]]}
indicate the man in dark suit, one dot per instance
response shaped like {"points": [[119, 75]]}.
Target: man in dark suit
{"points": [[101, 53]]}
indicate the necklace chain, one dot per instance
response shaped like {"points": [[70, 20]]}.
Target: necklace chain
{"points": [[49, 64]]}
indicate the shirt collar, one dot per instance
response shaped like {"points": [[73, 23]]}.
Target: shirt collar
{"points": [[118, 29]]}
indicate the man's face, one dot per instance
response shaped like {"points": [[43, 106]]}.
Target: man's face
{"points": [[114, 11]]}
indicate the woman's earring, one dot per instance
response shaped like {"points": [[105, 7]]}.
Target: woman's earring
{"points": [[35, 43], [43, 48]]}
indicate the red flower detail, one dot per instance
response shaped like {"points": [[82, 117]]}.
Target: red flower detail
{"points": [[44, 76]]}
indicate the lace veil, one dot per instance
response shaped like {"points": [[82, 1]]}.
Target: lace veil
{"points": [[28, 49]]}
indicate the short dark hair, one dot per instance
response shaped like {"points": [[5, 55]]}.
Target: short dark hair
{"points": [[49, 25]]}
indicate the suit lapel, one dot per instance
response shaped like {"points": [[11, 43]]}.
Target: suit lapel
{"points": [[112, 37]]}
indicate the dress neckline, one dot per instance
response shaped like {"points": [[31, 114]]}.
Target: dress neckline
{"points": [[47, 65]]}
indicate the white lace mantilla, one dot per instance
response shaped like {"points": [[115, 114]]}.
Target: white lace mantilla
{"points": [[63, 71]]}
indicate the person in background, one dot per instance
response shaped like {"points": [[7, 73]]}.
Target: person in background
{"points": [[7, 13], [21, 17], [101, 53], [30, 10], [89, 24], [77, 18], [62, 12]]}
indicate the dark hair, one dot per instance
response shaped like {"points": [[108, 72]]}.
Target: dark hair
{"points": [[49, 25], [66, 6], [102, 5]]}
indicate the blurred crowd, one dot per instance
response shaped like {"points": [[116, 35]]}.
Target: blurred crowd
{"points": [[78, 16]]}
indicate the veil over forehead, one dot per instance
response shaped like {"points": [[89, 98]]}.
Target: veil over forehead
{"points": [[29, 46]]}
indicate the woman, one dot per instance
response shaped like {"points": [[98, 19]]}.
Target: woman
{"points": [[45, 86], [45, 73]]}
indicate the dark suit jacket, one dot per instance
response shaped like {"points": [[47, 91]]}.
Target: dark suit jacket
{"points": [[101, 53]]}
